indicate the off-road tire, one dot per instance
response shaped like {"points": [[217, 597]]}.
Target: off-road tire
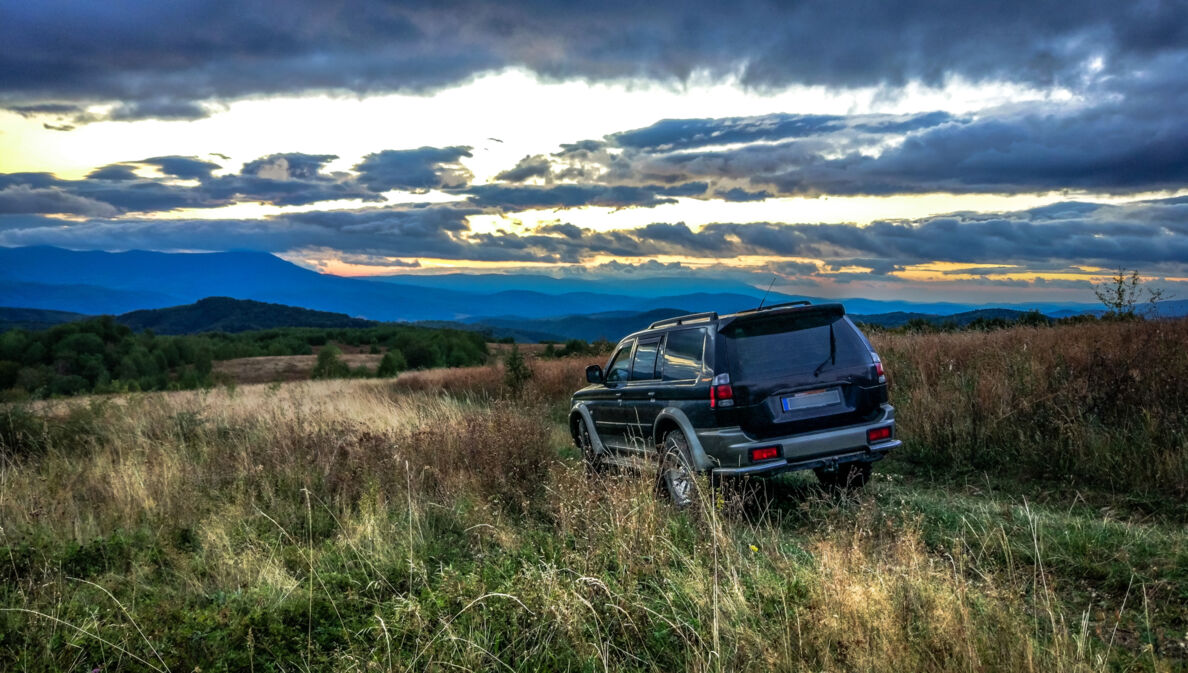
{"points": [[675, 476]]}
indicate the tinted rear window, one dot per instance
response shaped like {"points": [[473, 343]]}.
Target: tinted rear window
{"points": [[781, 345]]}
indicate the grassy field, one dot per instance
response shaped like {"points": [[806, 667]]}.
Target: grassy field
{"points": [[274, 368], [1036, 520]]}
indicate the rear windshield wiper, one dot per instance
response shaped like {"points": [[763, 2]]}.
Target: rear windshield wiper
{"points": [[832, 353]]}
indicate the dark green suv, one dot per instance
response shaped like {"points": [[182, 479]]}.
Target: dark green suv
{"points": [[760, 392]]}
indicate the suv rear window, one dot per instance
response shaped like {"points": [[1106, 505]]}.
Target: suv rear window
{"points": [[781, 345]]}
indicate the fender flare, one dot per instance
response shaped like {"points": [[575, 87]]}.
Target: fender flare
{"points": [[701, 460], [580, 410]]}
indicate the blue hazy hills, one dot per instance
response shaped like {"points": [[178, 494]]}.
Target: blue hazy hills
{"points": [[96, 282]]}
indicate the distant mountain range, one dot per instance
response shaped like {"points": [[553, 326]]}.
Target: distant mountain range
{"points": [[225, 314], [34, 318], [95, 282]]}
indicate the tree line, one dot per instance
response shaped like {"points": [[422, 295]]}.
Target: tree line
{"points": [[100, 355]]}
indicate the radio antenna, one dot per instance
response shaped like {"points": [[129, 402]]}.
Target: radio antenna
{"points": [[764, 300]]}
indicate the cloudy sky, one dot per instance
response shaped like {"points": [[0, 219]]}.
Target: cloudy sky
{"points": [[966, 150]]}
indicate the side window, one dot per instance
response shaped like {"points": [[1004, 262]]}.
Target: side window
{"points": [[644, 366], [617, 370], [683, 355]]}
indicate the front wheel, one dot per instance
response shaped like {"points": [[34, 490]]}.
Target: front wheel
{"points": [[677, 477], [846, 476]]}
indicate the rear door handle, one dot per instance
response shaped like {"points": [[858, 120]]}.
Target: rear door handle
{"points": [[652, 395]]}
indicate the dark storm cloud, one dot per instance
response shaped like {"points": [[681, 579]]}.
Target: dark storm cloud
{"points": [[420, 169], [164, 109], [740, 194], [289, 165], [152, 57], [187, 168], [113, 172], [1117, 145], [1110, 148], [506, 198], [536, 166], [1148, 235], [52, 109], [676, 134], [278, 179], [25, 199], [416, 232]]}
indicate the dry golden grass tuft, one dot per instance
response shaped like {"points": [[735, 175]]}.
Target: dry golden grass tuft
{"points": [[271, 368]]}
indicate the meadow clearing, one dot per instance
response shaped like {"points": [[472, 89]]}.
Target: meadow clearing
{"points": [[1035, 520]]}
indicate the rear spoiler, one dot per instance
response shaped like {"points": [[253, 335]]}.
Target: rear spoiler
{"points": [[819, 311]]}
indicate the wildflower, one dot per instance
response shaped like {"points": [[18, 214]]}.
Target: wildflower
{"points": [[754, 548]]}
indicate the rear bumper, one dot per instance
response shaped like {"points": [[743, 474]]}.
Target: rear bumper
{"points": [[812, 450]]}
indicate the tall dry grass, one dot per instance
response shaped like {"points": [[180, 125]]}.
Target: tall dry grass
{"points": [[553, 380], [1101, 404], [348, 525], [433, 522]]}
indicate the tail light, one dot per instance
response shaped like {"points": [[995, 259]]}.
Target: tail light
{"points": [[721, 394], [878, 363], [878, 435], [765, 453]]}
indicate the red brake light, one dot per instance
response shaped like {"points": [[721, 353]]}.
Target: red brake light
{"points": [[721, 394], [765, 453], [877, 435], [879, 368]]}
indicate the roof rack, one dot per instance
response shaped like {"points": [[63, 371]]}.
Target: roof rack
{"points": [[680, 320], [802, 302]]}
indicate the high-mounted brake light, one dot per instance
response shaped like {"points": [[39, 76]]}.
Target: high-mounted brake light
{"points": [[765, 453], [878, 434], [721, 394]]}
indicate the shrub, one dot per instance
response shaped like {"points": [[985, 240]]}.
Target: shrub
{"points": [[330, 364], [516, 371], [392, 364]]}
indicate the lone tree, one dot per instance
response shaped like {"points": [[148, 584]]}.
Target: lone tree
{"points": [[516, 371], [330, 364], [1124, 292], [392, 364]]}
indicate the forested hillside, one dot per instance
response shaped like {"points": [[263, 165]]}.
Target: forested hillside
{"points": [[100, 355]]}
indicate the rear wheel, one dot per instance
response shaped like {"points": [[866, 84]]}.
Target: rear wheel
{"points": [[595, 462], [846, 476], [677, 477]]}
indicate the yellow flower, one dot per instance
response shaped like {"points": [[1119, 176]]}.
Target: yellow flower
{"points": [[754, 548]]}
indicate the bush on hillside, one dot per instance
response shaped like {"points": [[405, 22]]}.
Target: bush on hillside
{"points": [[330, 364], [392, 364]]}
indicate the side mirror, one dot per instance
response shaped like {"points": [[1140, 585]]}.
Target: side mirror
{"points": [[594, 374]]}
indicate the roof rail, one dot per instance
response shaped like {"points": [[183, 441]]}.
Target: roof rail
{"points": [[802, 302], [679, 320]]}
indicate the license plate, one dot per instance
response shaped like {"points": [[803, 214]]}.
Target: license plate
{"points": [[812, 398]]}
